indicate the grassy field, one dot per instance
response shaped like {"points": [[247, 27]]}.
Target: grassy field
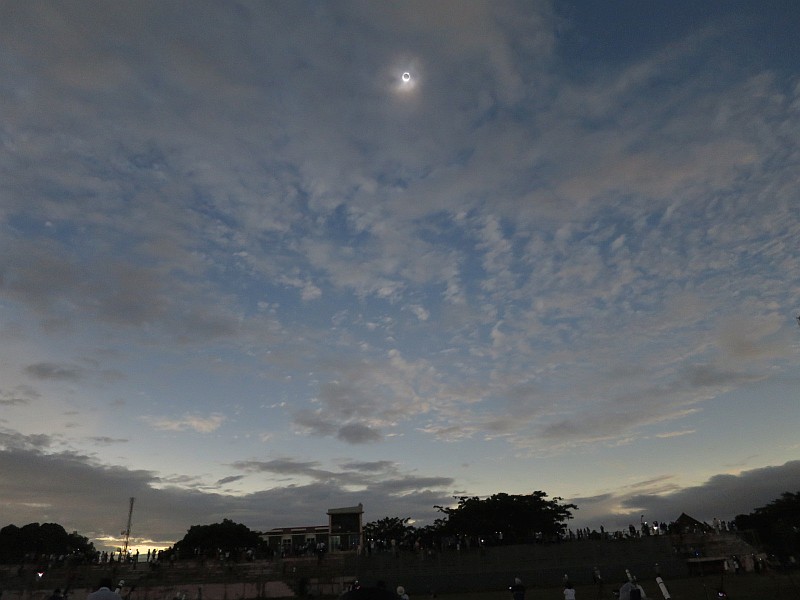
{"points": [[769, 586]]}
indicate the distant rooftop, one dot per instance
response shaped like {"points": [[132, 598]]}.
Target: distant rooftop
{"points": [[348, 510]]}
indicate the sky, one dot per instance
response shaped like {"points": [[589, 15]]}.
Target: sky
{"points": [[249, 270]]}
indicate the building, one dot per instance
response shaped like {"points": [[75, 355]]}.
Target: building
{"points": [[296, 540], [687, 524], [343, 532], [346, 527]]}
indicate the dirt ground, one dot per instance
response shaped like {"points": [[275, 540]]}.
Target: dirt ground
{"points": [[751, 586]]}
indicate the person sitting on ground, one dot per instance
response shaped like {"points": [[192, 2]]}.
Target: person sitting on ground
{"points": [[631, 590], [517, 590], [104, 591], [569, 591], [625, 590]]}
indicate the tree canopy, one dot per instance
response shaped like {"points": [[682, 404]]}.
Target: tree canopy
{"points": [[777, 524], [226, 536], [513, 518], [34, 540], [388, 528]]}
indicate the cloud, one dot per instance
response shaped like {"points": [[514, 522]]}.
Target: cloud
{"points": [[47, 276], [198, 423], [284, 466], [309, 291], [377, 391], [722, 496], [378, 478], [18, 395], [709, 375], [672, 434], [379, 466], [753, 339], [106, 440], [13, 440], [411, 484], [314, 422], [420, 311], [358, 433], [60, 372], [230, 479]]}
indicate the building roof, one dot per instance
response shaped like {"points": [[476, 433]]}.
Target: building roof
{"points": [[296, 530], [348, 510], [687, 522]]}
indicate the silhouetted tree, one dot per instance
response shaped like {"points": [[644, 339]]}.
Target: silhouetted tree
{"points": [[388, 528], [512, 518], [225, 537], [777, 524], [34, 540]]}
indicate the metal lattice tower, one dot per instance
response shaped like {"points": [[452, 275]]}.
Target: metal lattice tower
{"points": [[127, 531]]}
